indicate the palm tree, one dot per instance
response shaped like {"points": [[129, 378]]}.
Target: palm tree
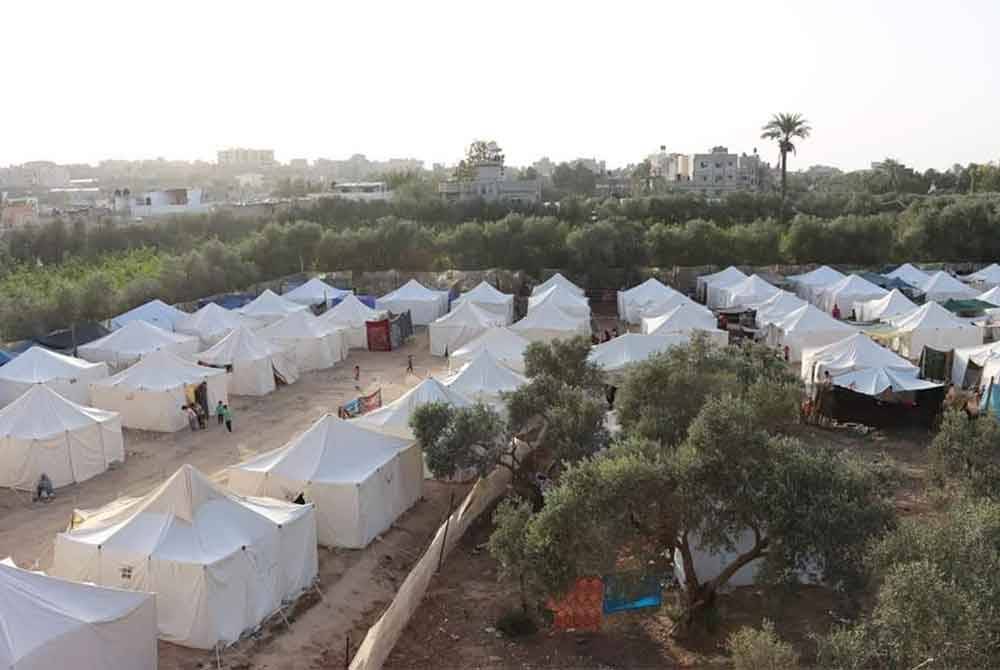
{"points": [[783, 128]]}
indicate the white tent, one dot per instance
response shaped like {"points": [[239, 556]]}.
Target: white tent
{"points": [[988, 277], [42, 432], [681, 319], [312, 344], [484, 379], [557, 280], [806, 285], [155, 312], [856, 352], [908, 273], [360, 480], [875, 381], [351, 314], [632, 302], [68, 376], [254, 364], [394, 418], [575, 305], [149, 395], [270, 307], [213, 322], [992, 296], [663, 306], [51, 623], [751, 291], [505, 346], [709, 287], [218, 563], [548, 322], [932, 326], [487, 298], [964, 356], [941, 287], [776, 308], [845, 293], [425, 305], [892, 304], [315, 292], [134, 340], [806, 327], [460, 326], [618, 353]]}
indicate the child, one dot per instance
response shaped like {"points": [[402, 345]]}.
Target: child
{"points": [[220, 412], [228, 416]]}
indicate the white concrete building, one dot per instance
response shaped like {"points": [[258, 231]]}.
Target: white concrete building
{"points": [[168, 202], [491, 183], [363, 191]]}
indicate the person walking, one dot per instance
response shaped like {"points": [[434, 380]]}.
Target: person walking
{"points": [[191, 417], [357, 372], [220, 412], [228, 416], [409, 364]]}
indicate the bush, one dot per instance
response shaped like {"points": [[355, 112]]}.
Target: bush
{"points": [[753, 649], [516, 623]]}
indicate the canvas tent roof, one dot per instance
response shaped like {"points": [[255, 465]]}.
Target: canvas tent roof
{"points": [[632, 302], [681, 319], [314, 292], [988, 275], [776, 307], [557, 280], [824, 275], [909, 273], [658, 307], [270, 306], [155, 312], [942, 286], [212, 322], [350, 312], [571, 303], [547, 321], [133, 341], [70, 376], [41, 413], [66, 338], [424, 304], [468, 314], [844, 293], [874, 381], [160, 371], [932, 326], [485, 293], [727, 277], [630, 348], [460, 326], [54, 623], [413, 290], [992, 296], [394, 418], [856, 352], [504, 345], [750, 291], [299, 324], [892, 304], [484, 378], [808, 318], [930, 315], [241, 344]]}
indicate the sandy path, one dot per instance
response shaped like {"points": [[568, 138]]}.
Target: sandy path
{"points": [[354, 583]]}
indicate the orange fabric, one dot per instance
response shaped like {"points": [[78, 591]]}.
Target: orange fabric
{"points": [[582, 608]]}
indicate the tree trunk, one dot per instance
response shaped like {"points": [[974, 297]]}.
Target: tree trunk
{"points": [[784, 183]]}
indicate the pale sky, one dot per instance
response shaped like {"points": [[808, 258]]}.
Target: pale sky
{"points": [[911, 79]]}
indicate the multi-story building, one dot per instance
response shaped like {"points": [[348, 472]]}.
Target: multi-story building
{"points": [[18, 212], [168, 202], [240, 157], [720, 171], [490, 183], [672, 167]]}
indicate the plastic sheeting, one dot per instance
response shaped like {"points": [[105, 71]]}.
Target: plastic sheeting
{"points": [[459, 327], [134, 340], [69, 377]]}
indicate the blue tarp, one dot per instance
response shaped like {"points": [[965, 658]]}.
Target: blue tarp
{"points": [[990, 402], [228, 300], [4, 357], [631, 591]]}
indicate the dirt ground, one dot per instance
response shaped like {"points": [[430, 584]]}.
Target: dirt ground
{"points": [[356, 584]]}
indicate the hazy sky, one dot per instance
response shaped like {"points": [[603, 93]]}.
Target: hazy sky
{"points": [[84, 81]]}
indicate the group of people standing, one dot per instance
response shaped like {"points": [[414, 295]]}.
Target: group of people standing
{"points": [[198, 420]]}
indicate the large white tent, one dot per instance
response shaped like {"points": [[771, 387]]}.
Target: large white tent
{"points": [[155, 312], [988, 277], [51, 623], [425, 305], [312, 344], [503, 344], [484, 379], [575, 305], [487, 298], [459, 326], [557, 280], [964, 356], [351, 314], [68, 376], [315, 292], [42, 432], [932, 326], [806, 285], [941, 287], [686, 320], [663, 306], [149, 394], [213, 322], [134, 340], [709, 287], [618, 353], [632, 302], [875, 381], [776, 308], [892, 304], [548, 322], [359, 479], [806, 327], [908, 273], [218, 563], [751, 291], [844, 293], [254, 364], [856, 352], [394, 418], [270, 307], [992, 296]]}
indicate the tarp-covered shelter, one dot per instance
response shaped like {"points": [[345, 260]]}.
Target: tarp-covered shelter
{"points": [[574, 305], [548, 322], [53, 624], [686, 320], [892, 304], [425, 305], [219, 563], [352, 315], [360, 480], [633, 301], [69, 377], [255, 365], [807, 284], [804, 328], [155, 312], [941, 286], [663, 306], [931, 326], [484, 379], [967, 363], [460, 326], [389, 334], [486, 297], [619, 353], [992, 296], [315, 292], [750, 291], [709, 287], [844, 293], [136, 339], [876, 381], [394, 418], [776, 308], [42, 432], [67, 339], [503, 344], [557, 280], [211, 323], [312, 344], [149, 394], [988, 277], [908, 273], [856, 352], [884, 397], [270, 307]]}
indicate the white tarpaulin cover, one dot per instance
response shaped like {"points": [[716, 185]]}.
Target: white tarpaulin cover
{"points": [[894, 303], [941, 287], [963, 356], [710, 286], [776, 308], [805, 328], [750, 291], [875, 381], [557, 280], [932, 326], [485, 297], [315, 292], [681, 319], [218, 563], [352, 315], [424, 304], [569, 302], [989, 276], [845, 293], [632, 302], [460, 326], [394, 418], [359, 479], [134, 340], [548, 322], [155, 312], [269, 307], [992, 296], [149, 395], [252, 362], [43, 432], [505, 346], [484, 379], [856, 352], [663, 306], [620, 352], [213, 322], [53, 624], [909, 273], [806, 285], [68, 376], [312, 344]]}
